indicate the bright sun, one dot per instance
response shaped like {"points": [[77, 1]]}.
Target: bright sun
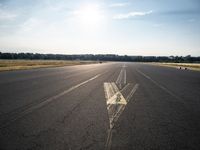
{"points": [[90, 15]]}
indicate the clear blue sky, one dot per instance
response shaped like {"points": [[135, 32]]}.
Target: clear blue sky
{"points": [[125, 27]]}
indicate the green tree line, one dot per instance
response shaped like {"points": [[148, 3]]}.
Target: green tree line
{"points": [[100, 57]]}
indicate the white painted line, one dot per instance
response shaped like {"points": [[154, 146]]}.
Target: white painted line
{"points": [[115, 101], [121, 80], [122, 107], [146, 76], [159, 85], [109, 140], [30, 109], [115, 87], [132, 92], [106, 90], [115, 116], [119, 77], [126, 86], [124, 76], [110, 89], [111, 92]]}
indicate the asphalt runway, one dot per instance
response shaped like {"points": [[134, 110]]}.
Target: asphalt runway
{"points": [[100, 106]]}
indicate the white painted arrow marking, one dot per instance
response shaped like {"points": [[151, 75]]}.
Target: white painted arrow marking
{"points": [[116, 101]]}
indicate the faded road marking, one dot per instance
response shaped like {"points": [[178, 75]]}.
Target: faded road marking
{"points": [[109, 140], [159, 85], [114, 100], [132, 92], [121, 79], [116, 104], [124, 76], [48, 100]]}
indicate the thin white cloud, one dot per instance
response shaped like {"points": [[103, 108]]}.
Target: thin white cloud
{"points": [[7, 16], [119, 4], [132, 14]]}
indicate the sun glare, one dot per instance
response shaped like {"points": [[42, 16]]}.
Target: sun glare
{"points": [[90, 15]]}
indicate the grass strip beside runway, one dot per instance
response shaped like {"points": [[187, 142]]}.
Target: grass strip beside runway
{"points": [[8, 65], [190, 66]]}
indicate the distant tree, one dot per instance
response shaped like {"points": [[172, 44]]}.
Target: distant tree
{"points": [[99, 57]]}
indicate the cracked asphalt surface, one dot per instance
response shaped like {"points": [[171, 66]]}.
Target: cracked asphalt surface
{"points": [[38, 111]]}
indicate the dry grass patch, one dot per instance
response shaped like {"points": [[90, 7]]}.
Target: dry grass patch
{"points": [[192, 66], [7, 65]]}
